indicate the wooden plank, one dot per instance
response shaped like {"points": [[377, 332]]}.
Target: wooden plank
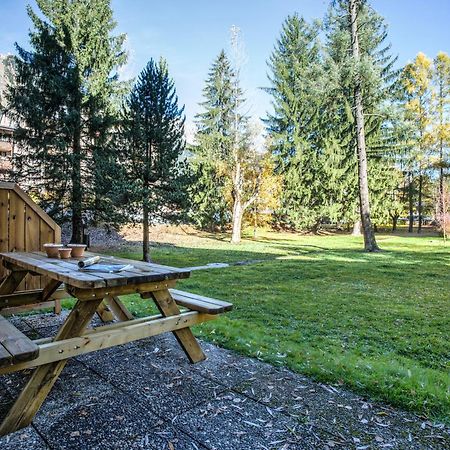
{"points": [[16, 224], [53, 270], [32, 242], [119, 309], [12, 281], [23, 298], [185, 338], [36, 208], [46, 235], [16, 343], [5, 357], [104, 312], [130, 277], [32, 230], [44, 377], [141, 288], [31, 307], [107, 336], [200, 303], [4, 229], [50, 289]]}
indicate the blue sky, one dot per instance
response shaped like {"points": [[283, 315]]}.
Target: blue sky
{"points": [[189, 34]]}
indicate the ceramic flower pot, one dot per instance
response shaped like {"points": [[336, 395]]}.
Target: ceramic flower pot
{"points": [[64, 253], [52, 250], [77, 250]]}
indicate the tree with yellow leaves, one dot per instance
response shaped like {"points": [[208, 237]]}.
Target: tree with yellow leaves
{"points": [[416, 79], [268, 192]]}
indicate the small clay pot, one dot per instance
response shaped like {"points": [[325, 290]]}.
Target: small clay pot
{"points": [[64, 253], [77, 250], [52, 250]]}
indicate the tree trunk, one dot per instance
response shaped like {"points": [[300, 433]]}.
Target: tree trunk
{"points": [[77, 194], [357, 228], [411, 204], [419, 204], [441, 201], [145, 236], [237, 221], [370, 243], [394, 223]]}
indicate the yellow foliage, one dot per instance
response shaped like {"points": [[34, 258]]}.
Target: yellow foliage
{"points": [[269, 191]]}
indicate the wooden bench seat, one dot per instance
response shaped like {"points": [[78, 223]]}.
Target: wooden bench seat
{"points": [[15, 347], [199, 303]]}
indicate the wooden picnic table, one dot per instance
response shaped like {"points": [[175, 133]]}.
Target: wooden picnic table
{"points": [[94, 291]]}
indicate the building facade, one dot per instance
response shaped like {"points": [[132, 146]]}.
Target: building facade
{"points": [[6, 126]]}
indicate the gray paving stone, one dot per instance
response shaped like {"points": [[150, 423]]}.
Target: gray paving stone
{"points": [[164, 435], [346, 415], [229, 368], [109, 422], [234, 422], [26, 439], [167, 390]]}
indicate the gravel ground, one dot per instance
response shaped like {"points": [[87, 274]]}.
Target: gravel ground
{"points": [[146, 395]]}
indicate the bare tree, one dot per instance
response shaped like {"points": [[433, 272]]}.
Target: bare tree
{"points": [[241, 151]]}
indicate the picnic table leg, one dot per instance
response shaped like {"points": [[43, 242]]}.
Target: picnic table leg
{"points": [[12, 281], [104, 312], [167, 306], [44, 377], [119, 309]]}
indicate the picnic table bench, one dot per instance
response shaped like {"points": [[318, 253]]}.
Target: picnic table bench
{"points": [[94, 292]]}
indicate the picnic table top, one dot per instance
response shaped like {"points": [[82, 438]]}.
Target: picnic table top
{"points": [[67, 271]]}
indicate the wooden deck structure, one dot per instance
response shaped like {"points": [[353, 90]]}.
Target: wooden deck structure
{"points": [[24, 226]]}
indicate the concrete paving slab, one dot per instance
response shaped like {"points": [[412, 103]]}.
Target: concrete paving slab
{"points": [[166, 390], [108, 422], [27, 439], [231, 422]]}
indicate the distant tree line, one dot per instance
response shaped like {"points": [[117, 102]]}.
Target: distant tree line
{"points": [[350, 140]]}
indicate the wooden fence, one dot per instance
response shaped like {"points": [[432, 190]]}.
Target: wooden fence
{"points": [[24, 226]]}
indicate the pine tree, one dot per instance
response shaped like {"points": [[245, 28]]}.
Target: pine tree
{"points": [[213, 142], [224, 154], [294, 127], [360, 81], [151, 135], [61, 101]]}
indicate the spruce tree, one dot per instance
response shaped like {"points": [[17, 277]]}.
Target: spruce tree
{"points": [[296, 77], [213, 142], [360, 81], [61, 99], [223, 156], [152, 143]]}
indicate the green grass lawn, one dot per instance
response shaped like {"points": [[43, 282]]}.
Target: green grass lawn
{"points": [[377, 323]]}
